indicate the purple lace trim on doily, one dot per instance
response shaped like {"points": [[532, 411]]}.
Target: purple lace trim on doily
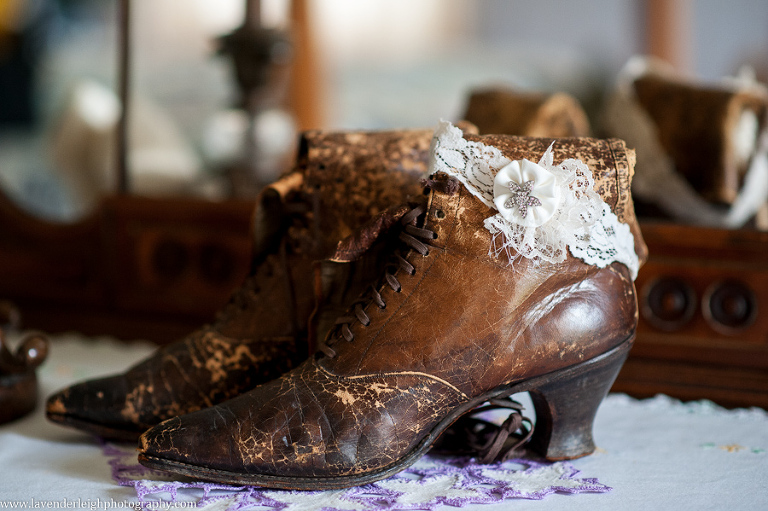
{"points": [[431, 483]]}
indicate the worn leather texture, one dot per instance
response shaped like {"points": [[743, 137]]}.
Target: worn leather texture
{"points": [[341, 179], [344, 169], [356, 262], [461, 324]]}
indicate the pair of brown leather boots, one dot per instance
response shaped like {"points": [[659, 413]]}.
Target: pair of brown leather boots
{"points": [[500, 276]]}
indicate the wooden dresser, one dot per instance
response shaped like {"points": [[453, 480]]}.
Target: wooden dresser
{"points": [[703, 330], [136, 268]]}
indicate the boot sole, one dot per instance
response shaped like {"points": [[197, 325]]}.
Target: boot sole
{"points": [[565, 402], [100, 430]]}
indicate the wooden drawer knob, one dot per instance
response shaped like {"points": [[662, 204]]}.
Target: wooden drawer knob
{"points": [[668, 303], [729, 306]]}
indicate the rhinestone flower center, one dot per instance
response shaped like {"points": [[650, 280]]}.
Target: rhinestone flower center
{"points": [[521, 197]]}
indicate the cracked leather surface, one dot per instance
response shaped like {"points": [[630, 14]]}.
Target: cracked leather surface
{"points": [[464, 323], [309, 423], [243, 348], [340, 180], [334, 157]]}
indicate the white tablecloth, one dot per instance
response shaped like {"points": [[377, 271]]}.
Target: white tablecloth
{"points": [[654, 454]]}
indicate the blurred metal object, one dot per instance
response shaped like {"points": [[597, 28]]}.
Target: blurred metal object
{"points": [[134, 267], [18, 380], [262, 59]]}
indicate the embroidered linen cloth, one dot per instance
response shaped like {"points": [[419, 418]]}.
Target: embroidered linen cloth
{"points": [[652, 454]]}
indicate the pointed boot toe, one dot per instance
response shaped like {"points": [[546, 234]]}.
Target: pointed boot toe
{"points": [[165, 443], [179, 378], [101, 407], [308, 428]]}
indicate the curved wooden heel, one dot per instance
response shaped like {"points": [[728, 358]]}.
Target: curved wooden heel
{"points": [[566, 405]]}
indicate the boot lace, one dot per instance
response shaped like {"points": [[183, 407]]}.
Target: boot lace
{"points": [[486, 440], [411, 237]]}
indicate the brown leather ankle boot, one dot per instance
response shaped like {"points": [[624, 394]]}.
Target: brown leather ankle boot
{"points": [[340, 181], [481, 302]]}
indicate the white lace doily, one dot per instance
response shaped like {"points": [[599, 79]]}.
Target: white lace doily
{"points": [[433, 483], [544, 209]]}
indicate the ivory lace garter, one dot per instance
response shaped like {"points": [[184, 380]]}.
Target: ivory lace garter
{"points": [[543, 209]]}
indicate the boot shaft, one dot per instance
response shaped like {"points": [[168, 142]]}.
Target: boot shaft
{"points": [[354, 176], [340, 181]]}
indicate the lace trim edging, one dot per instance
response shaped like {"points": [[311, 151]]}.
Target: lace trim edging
{"points": [[544, 210]]}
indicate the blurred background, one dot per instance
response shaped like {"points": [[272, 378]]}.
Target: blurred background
{"points": [[148, 243], [365, 65]]}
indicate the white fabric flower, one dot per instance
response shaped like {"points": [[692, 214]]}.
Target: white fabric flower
{"points": [[566, 223], [525, 193], [544, 210]]}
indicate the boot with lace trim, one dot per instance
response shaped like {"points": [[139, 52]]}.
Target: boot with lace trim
{"points": [[511, 276], [341, 180]]}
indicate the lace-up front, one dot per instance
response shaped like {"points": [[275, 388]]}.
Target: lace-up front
{"points": [[413, 238]]}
